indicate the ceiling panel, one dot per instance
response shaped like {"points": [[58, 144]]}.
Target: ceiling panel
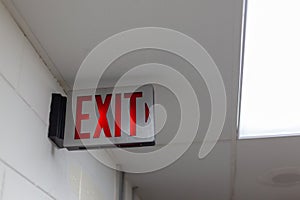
{"points": [[189, 177], [257, 158]]}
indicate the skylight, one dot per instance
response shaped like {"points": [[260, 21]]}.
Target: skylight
{"points": [[270, 102]]}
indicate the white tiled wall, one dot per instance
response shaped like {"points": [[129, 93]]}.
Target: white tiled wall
{"points": [[11, 43], [30, 166], [16, 187]]}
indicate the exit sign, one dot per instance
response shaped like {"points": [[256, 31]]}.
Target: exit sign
{"points": [[122, 117]]}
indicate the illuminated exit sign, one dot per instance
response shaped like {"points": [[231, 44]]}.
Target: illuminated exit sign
{"points": [[122, 117]]}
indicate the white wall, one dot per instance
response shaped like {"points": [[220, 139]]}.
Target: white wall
{"points": [[30, 167], [136, 197], [129, 193], [127, 190]]}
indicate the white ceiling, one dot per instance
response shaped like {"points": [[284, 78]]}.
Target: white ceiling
{"points": [[65, 31]]}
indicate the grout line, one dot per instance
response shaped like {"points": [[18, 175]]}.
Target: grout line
{"points": [[27, 179], [23, 99]]}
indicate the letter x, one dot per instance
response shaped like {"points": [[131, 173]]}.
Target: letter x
{"points": [[102, 121]]}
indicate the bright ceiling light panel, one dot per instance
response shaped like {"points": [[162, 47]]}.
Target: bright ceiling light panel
{"points": [[270, 101]]}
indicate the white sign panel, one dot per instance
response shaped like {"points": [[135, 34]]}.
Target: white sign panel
{"points": [[110, 117]]}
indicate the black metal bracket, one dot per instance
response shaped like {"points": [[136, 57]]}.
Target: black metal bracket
{"points": [[57, 120]]}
